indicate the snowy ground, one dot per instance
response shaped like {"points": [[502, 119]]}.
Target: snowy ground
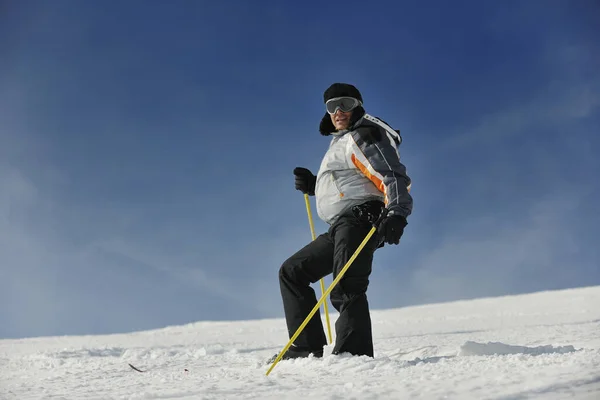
{"points": [[543, 345]]}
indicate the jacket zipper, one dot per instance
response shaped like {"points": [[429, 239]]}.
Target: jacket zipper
{"points": [[341, 194]]}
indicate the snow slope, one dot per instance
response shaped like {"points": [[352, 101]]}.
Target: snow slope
{"points": [[542, 345]]}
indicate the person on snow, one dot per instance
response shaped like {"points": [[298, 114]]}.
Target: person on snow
{"points": [[360, 174]]}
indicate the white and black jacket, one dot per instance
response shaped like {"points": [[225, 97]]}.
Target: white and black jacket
{"points": [[362, 164]]}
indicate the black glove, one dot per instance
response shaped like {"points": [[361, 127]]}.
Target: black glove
{"points": [[392, 228], [305, 180]]}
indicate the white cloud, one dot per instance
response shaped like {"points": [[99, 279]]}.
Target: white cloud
{"points": [[491, 256], [28, 288], [559, 102]]}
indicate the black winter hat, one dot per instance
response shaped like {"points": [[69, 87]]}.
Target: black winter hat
{"points": [[338, 90], [341, 89]]}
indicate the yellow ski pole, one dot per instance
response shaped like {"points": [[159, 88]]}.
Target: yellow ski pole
{"points": [[329, 289], [312, 231]]}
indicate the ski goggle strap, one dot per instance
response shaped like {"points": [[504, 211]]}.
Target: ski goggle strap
{"points": [[344, 104]]}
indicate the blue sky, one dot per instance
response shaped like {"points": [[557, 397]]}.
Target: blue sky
{"points": [[146, 151]]}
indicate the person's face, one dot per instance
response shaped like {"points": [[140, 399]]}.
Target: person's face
{"points": [[341, 120]]}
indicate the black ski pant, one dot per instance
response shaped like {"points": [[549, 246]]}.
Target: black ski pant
{"points": [[329, 253]]}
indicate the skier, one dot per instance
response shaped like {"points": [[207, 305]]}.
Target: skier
{"points": [[360, 174]]}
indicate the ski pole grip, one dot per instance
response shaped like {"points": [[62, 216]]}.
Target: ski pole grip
{"points": [[382, 215]]}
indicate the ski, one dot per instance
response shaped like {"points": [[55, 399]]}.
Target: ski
{"points": [[135, 369]]}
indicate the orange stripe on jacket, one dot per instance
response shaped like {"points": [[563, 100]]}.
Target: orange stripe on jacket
{"points": [[378, 182]]}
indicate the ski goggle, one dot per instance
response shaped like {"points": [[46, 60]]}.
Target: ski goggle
{"points": [[344, 104]]}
